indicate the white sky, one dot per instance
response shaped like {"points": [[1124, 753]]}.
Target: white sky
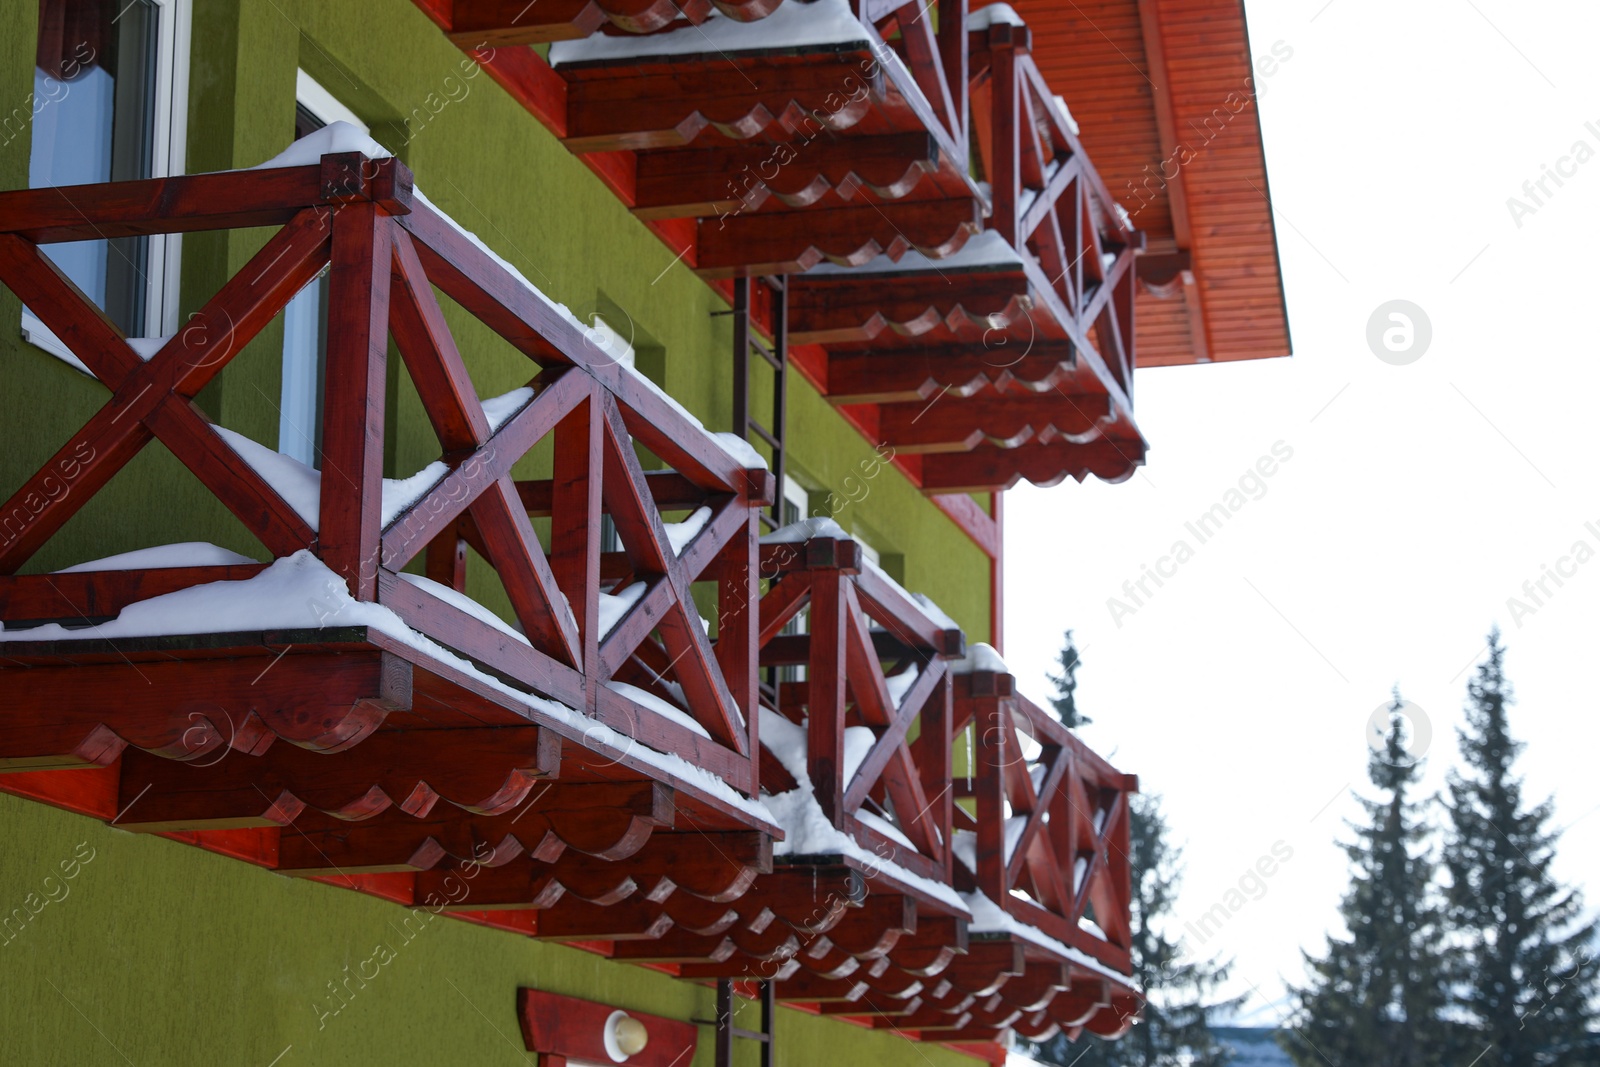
{"points": [[1419, 497]]}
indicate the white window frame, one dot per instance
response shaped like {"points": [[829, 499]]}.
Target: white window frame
{"points": [[310, 94], [868, 553], [796, 494], [170, 137]]}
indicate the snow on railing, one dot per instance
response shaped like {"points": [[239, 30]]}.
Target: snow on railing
{"points": [[336, 198]]}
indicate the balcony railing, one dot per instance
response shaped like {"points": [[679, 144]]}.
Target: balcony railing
{"points": [[609, 763], [875, 703], [1049, 841], [1035, 837], [908, 165], [609, 671]]}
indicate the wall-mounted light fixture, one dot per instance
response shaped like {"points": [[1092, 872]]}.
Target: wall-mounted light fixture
{"points": [[624, 1036], [569, 1032]]}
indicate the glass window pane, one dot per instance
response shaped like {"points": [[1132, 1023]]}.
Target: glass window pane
{"points": [[96, 72]]}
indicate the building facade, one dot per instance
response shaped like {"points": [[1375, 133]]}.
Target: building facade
{"points": [[502, 538]]}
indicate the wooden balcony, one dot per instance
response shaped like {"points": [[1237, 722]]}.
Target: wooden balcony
{"points": [[1014, 357], [863, 744], [860, 147], [399, 727], [606, 768]]}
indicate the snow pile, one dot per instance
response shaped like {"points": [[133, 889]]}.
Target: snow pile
{"points": [[989, 918], [301, 486], [980, 658], [498, 409], [1071, 123], [900, 684], [461, 602], [1017, 1059], [934, 612], [994, 15], [681, 533], [805, 530], [614, 606], [741, 450], [808, 831], [793, 26], [609, 343], [145, 347], [666, 709], [858, 741], [300, 592], [184, 554], [332, 139]]}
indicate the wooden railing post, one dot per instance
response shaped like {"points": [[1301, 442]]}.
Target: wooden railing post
{"points": [[738, 647], [575, 509], [989, 693], [826, 700], [953, 56], [353, 408], [1004, 40], [934, 749]]}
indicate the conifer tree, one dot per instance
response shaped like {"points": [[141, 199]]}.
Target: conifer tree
{"points": [[1526, 972], [1180, 990], [1380, 997], [1065, 702]]}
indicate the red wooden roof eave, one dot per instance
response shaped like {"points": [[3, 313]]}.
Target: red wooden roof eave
{"points": [[1219, 350], [1260, 141], [1096, 107]]}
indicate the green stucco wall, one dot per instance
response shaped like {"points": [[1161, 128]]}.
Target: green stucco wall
{"points": [[162, 953]]}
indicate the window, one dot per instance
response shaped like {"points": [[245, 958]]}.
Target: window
{"points": [[796, 502], [305, 318], [110, 103], [792, 507], [868, 553]]}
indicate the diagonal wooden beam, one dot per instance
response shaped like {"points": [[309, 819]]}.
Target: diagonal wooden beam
{"points": [[229, 320], [640, 528], [425, 343], [518, 558], [556, 392]]}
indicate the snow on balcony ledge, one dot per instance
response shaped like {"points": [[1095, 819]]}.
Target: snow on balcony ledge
{"points": [[301, 592], [794, 26]]}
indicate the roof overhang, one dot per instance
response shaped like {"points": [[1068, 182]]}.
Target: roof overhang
{"points": [[1165, 93]]}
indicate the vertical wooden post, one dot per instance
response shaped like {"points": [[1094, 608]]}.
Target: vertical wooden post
{"points": [[933, 750], [989, 728], [953, 55], [353, 408], [826, 700], [1003, 128], [780, 391], [741, 357], [738, 647], [575, 530], [446, 559]]}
